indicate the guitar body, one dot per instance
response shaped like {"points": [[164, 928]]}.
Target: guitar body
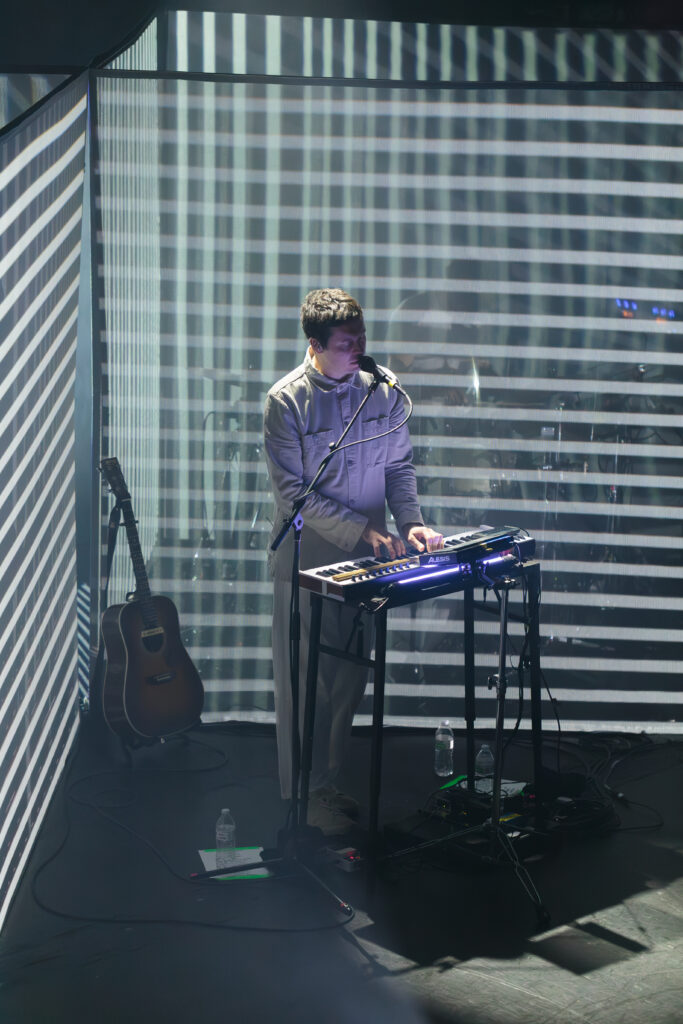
{"points": [[151, 688]]}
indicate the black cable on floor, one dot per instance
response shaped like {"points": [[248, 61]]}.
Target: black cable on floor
{"points": [[92, 919]]}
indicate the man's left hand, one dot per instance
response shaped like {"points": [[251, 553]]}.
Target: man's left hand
{"points": [[424, 539]]}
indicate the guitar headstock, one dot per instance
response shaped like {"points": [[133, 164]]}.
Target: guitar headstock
{"points": [[111, 471]]}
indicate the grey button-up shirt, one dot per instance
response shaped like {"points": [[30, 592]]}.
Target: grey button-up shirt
{"points": [[304, 412]]}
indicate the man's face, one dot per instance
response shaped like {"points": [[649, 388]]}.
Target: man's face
{"points": [[345, 346]]}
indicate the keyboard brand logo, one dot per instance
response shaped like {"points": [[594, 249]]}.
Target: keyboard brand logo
{"points": [[438, 560]]}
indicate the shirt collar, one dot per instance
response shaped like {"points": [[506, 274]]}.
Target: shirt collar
{"points": [[320, 380]]}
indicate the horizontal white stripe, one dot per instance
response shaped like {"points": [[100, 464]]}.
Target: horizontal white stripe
{"points": [[571, 631], [401, 214], [426, 690], [591, 664], [464, 412], [124, 169], [639, 602], [237, 715], [463, 472], [223, 620], [631, 541], [236, 686], [132, 303], [432, 252], [585, 449], [475, 505], [505, 413], [539, 476], [588, 664], [516, 506], [597, 569], [401, 145], [584, 355], [555, 385], [573, 601], [350, 100], [548, 321], [548, 725], [437, 291]]}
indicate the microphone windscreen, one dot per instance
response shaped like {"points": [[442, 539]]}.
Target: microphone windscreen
{"points": [[367, 363]]}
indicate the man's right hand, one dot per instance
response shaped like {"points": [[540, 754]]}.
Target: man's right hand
{"points": [[395, 548]]}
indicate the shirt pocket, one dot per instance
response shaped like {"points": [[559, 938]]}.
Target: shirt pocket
{"points": [[374, 451], [315, 447]]}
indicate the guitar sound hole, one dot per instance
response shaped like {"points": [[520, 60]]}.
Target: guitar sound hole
{"points": [[153, 643]]}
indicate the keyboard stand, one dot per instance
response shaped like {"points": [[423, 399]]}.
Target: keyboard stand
{"points": [[530, 572]]}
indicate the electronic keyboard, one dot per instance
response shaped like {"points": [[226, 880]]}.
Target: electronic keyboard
{"points": [[478, 554]]}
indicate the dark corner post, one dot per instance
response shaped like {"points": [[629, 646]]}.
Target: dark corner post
{"points": [[98, 333]]}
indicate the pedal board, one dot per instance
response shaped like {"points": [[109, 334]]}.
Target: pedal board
{"points": [[455, 821]]}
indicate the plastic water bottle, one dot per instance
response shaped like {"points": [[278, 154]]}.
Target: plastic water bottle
{"points": [[483, 762], [225, 839], [443, 750]]}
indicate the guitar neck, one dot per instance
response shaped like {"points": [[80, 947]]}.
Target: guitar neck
{"points": [[141, 581]]}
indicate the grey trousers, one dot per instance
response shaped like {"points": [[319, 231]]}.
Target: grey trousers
{"points": [[339, 691]]}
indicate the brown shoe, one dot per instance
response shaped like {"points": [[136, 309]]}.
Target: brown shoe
{"points": [[333, 798], [328, 819]]}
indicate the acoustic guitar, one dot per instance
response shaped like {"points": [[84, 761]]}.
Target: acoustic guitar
{"points": [[151, 689]]}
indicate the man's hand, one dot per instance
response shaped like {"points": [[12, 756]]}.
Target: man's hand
{"points": [[424, 539], [382, 538]]}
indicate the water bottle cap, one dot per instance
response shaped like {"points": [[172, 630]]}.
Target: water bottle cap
{"points": [[446, 722], [225, 810]]}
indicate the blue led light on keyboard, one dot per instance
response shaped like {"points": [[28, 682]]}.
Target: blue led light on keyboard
{"points": [[451, 570], [498, 558], [431, 575]]}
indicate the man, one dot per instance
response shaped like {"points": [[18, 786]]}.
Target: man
{"points": [[344, 519]]}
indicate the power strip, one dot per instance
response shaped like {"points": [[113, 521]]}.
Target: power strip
{"points": [[347, 858]]}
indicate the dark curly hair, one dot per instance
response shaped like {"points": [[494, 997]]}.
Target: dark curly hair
{"points": [[324, 309]]}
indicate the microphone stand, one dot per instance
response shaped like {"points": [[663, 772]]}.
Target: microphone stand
{"points": [[298, 833], [295, 519]]}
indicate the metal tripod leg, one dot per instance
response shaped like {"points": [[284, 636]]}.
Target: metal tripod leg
{"points": [[498, 836]]}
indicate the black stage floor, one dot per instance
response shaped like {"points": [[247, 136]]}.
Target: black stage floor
{"points": [[107, 926]]}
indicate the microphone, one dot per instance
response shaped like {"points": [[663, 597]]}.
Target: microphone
{"points": [[368, 364]]}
